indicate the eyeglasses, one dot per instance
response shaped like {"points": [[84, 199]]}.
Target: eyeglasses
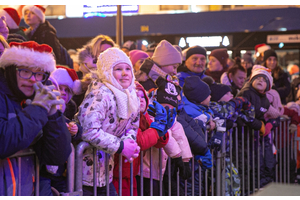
{"points": [[172, 79], [27, 74]]}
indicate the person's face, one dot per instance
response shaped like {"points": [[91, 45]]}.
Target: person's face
{"points": [[206, 101], [1, 49], [214, 64], [260, 84], [246, 64], [271, 62], [138, 64], [123, 75], [170, 69], [238, 78], [64, 92], [196, 63], [227, 97], [142, 98], [26, 85], [31, 18]]}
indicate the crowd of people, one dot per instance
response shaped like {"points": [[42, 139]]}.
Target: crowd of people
{"points": [[124, 100]]}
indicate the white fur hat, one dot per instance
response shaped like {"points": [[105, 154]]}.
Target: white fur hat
{"points": [[29, 54], [106, 62], [258, 69], [37, 9]]}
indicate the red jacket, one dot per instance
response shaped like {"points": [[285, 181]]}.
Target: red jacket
{"points": [[146, 138], [294, 120]]}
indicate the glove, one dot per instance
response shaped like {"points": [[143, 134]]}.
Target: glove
{"points": [[274, 122], [45, 97], [262, 129], [160, 116], [171, 116], [184, 168], [216, 141], [130, 150], [205, 161], [268, 128], [293, 128], [187, 173]]}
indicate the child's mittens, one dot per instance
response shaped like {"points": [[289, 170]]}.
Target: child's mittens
{"points": [[268, 128], [292, 128], [183, 167], [160, 118], [262, 129], [205, 161]]}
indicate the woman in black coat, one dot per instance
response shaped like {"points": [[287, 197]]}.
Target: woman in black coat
{"points": [[281, 82]]}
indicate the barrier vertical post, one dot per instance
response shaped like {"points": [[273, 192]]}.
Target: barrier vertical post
{"points": [[71, 170], [120, 174], [95, 170]]}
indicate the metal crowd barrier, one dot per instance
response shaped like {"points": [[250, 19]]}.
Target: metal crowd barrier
{"points": [[18, 156], [240, 153], [236, 143]]}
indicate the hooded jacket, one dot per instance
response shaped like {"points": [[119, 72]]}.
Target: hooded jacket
{"points": [[28, 127], [260, 103]]}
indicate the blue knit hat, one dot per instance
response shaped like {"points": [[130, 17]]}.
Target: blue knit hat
{"points": [[195, 90]]}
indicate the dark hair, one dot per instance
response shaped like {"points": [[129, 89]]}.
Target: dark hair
{"points": [[277, 71], [237, 66], [237, 60]]}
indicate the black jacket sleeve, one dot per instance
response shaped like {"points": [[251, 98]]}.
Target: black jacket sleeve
{"points": [[285, 87], [54, 147], [193, 133]]}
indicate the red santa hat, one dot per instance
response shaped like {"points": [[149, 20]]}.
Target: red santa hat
{"points": [[12, 17], [260, 48], [29, 54], [36, 9], [65, 76]]}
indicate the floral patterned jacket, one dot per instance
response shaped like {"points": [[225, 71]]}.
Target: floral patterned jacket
{"points": [[102, 129]]}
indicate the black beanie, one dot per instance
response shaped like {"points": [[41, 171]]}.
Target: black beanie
{"points": [[218, 90], [167, 92], [195, 50], [268, 53], [195, 90]]}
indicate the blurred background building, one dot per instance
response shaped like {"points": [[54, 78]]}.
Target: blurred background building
{"points": [[236, 27]]}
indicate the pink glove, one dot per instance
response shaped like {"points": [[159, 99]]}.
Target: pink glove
{"points": [[130, 150], [268, 128]]}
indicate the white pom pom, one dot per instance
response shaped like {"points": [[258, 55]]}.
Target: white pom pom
{"points": [[77, 89]]}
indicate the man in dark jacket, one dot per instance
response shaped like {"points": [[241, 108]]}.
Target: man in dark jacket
{"points": [[194, 64], [40, 30], [28, 116]]}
